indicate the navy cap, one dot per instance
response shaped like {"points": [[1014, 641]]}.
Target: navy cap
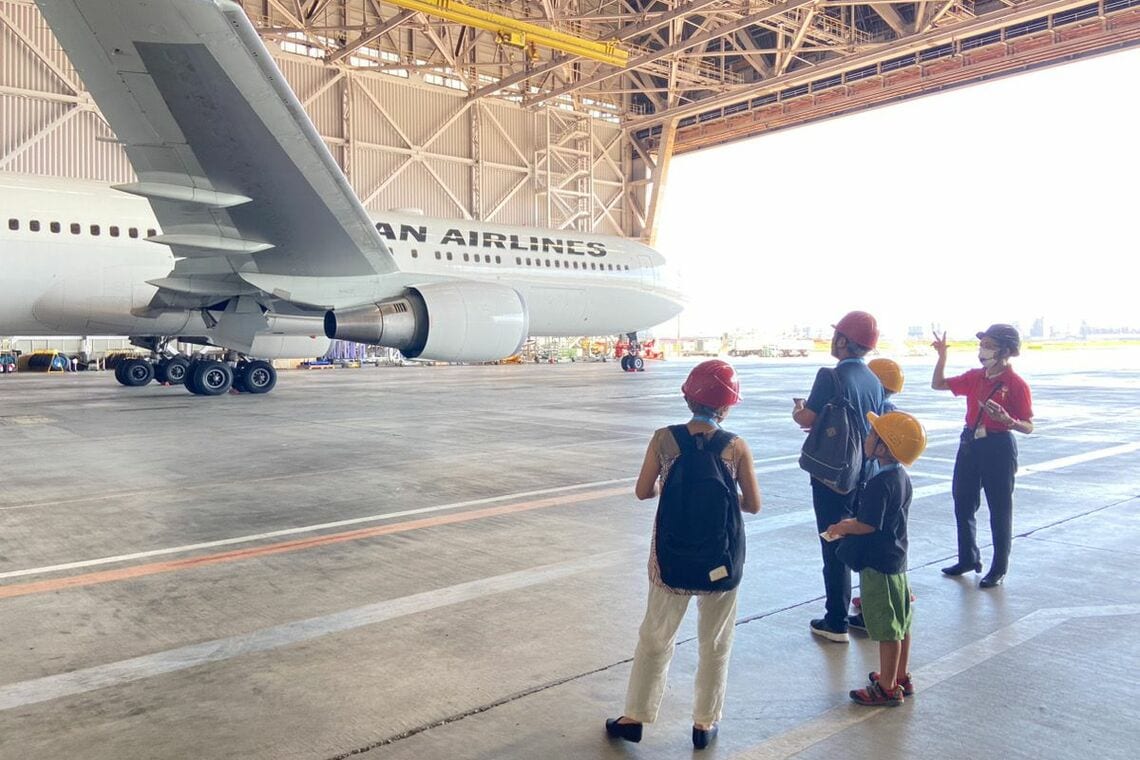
{"points": [[1005, 336]]}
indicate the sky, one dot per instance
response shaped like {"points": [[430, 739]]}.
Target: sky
{"points": [[998, 202]]}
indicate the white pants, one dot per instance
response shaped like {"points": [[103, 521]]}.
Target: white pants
{"points": [[715, 627]]}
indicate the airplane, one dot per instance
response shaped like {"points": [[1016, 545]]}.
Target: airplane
{"points": [[242, 232]]}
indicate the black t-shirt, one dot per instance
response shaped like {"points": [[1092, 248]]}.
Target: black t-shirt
{"points": [[883, 504]]}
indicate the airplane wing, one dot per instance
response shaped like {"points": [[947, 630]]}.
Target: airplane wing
{"points": [[236, 173]]}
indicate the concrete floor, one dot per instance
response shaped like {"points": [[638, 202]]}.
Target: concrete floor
{"points": [[448, 562]]}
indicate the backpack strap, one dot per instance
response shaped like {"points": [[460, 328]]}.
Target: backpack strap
{"points": [[686, 443]]}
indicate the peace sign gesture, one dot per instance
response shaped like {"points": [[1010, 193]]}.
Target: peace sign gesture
{"points": [[939, 344]]}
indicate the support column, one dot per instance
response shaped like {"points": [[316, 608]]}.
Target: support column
{"points": [[660, 177]]}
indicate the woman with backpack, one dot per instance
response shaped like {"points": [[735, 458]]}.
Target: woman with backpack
{"points": [[697, 550]]}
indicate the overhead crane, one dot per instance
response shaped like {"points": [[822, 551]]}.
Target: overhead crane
{"points": [[516, 33]]}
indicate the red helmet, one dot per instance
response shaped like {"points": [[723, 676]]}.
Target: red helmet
{"points": [[713, 384], [860, 327]]}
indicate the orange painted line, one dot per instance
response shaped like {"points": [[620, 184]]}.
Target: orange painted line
{"points": [[140, 571]]}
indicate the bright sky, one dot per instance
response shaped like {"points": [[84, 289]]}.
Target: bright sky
{"points": [[1003, 201]]}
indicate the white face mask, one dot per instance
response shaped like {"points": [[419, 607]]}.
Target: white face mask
{"points": [[987, 356]]}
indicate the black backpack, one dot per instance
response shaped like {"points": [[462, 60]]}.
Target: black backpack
{"points": [[700, 531], [833, 451]]}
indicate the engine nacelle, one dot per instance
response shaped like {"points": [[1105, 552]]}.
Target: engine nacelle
{"points": [[444, 321]]}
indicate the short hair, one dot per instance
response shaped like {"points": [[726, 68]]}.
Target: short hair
{"points": [[701, 409]]}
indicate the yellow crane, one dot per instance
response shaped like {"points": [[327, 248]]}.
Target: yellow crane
{"points": [[520, 34]]}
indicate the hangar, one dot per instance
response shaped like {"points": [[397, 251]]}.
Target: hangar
{"points": [[323, 578]]}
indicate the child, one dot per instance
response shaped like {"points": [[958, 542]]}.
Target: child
{"points": [[711, 389], [876, 546], [890, 374]]}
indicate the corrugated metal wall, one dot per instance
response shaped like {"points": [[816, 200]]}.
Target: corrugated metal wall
{"points": [[403, 143]]}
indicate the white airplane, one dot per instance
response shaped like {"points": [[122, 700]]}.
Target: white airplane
{"points": [[242, 232]]}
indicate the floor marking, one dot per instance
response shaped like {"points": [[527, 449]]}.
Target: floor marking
{"points": [[1057, 464], [138, 571], [842, 717], [24, 693], [305, 529]]}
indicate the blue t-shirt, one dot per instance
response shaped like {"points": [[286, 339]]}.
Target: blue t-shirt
{"points": [[860, 387]]}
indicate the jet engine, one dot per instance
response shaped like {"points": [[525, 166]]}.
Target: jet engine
{"points": [[443, 321]]}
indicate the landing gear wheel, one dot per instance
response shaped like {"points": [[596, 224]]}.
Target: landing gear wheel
{"points": [[638, 364], [259, 377], [172, 370], [210, 378], [134, 372]]}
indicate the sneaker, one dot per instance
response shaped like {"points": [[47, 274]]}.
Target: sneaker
{"points": [[820, 628], [905, 683], [875, 696], [856, 622]]}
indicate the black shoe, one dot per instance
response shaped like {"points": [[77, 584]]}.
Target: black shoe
{"points": [[703, 736], [857, 623], [820, 627], [631, 732], [992, 579], [961, 568]]}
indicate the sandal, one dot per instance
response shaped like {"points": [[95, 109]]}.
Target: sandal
{"points": [[875, 696], [904, 683]]}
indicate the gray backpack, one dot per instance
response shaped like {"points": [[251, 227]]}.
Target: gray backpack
{"points": [[833, 451]]}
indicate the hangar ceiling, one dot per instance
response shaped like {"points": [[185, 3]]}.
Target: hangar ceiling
{"points": [[717, 69], [564, 113]]}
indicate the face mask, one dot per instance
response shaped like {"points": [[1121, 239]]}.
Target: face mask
{"points": [[987, 356]]}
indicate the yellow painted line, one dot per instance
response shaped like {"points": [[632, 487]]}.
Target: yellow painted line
{"points": [[154, 568]]}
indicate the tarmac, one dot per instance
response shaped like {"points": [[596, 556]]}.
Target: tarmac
{"points": [[449, 562]]}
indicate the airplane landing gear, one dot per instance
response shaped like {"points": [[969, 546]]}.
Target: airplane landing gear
{"points": [[134, 372], [172, 370], [209, 378], [256, 376], [631, 360]]}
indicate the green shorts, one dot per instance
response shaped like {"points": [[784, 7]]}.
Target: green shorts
{"points": [[885, 604]]}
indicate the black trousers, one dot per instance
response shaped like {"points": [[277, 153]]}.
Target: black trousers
{"points": [[987, 464], [830, 508]]}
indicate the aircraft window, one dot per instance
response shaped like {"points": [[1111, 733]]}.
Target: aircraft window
{"points": [[13, 224], [548, 262], [151, 233], [476, 258], [498, 259], [415, 254], [611, 267], [34, 225], [94, 229], [75, 228], [528, 262], [133, 232], [113, 230], [54, 227], [466, 257], [438, 256], [627, 267], [518, 260], [449, 255], [557, 264], [576, 265]]}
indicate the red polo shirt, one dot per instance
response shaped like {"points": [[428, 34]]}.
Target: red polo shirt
{"points": [[1011, 392]]}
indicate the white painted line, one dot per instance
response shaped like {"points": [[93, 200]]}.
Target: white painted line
{"points": [[306, 529], [839, 719], [1057, 464], [120, 673]]}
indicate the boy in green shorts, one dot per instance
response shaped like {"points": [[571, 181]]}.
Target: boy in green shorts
{"points": [[875, 544]]}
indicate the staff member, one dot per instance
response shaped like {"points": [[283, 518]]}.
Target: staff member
{"points": [[997, 402]]}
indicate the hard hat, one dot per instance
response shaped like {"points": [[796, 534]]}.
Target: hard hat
{"points": [[860, 327], [1005, 336], [903, 434], [712, 383], [889, 372]]}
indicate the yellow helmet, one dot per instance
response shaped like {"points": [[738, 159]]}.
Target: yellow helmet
{"points": [[888, 371], [902, 433]]}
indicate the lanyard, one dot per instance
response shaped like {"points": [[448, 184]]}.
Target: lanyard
{"points": [[708, 420]]}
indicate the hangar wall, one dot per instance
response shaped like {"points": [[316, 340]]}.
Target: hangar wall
{"points": [[405, 140]]}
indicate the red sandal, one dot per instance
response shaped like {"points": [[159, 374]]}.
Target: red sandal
{"points": [[904, 683], [875, 696]]}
